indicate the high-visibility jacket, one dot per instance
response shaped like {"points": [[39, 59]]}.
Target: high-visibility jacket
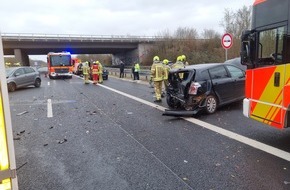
{"points": [[178, 64], [100, 68], [166, 71], [86, 70], [95, 69], [137, 67], [157, 71]]}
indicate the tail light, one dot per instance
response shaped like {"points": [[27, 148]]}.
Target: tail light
{"points": [[193, 88]]}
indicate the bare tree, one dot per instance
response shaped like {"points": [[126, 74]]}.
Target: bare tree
{"points": [[210, 34], [236, 22]]}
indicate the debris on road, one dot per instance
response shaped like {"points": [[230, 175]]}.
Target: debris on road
{"points": [[51, 127], [62, 141], [45, 144], [22, 113], [16, 138]]}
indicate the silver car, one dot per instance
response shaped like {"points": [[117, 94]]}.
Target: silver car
{"points": [[18, 77]]}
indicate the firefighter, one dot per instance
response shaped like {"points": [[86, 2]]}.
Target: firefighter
{"points": [[184, 60], [100, 72], [166, 72], [86, 72], [95, 72], [178, 64], [157, 72]]}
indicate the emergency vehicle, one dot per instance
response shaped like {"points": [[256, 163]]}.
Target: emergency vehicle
{"points": [[8, 178], [59, 65], [265, 50]]}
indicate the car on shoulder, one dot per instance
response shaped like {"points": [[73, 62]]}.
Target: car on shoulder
{"points": [[18, 77], [203, 87]]}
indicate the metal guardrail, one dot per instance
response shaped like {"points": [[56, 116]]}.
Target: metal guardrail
{"points": [[76, 37], [144, 73]]}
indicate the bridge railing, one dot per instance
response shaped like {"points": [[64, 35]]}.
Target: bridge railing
{"points": [[77, 37]]}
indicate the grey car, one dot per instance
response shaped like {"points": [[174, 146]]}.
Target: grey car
{"points": [[18, 77]]}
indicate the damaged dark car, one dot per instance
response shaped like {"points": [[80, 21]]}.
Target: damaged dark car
{"points": [[203, 87]]}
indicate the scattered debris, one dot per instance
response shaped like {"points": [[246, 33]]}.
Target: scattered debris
{"points": [[185, 179], [51, 127], [87, 132], [45, 144], [22, 131], [22, 113], [36, 119], [286, 182], [185, 161], [62, 141], [129, 113], [16, 138], [217, 164]]}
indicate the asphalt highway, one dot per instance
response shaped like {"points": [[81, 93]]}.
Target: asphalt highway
{"points": [[69, 135]]}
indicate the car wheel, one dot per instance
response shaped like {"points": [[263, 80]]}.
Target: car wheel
{"points": [[11, 87], [37, 83], [211, 104]]}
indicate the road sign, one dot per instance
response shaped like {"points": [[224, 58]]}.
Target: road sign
{"points": [[227, 41]]}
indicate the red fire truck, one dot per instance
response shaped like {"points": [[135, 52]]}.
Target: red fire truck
{"points": [[265, 50], [59, 65]]}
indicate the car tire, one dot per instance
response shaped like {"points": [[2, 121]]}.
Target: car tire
{"points": [[37, 83], [211, 104], [11, 87]]}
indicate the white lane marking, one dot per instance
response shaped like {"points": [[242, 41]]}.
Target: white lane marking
{"points": [[250, 142], [48, 83], [49, 108]]}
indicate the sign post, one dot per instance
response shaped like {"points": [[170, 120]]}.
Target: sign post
{"points": [[227, 42]]}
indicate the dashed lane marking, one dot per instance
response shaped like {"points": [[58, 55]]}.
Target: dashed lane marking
{"points": [[49, 108]]}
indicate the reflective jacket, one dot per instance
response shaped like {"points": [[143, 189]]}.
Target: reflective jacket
{"points": [[166, 71], [178, 64], [157, 71], [137, 67], [86, 69], [95, 69], [100, 68]]}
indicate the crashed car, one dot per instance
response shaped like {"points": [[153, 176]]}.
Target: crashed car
{"points": [[203, 87]]}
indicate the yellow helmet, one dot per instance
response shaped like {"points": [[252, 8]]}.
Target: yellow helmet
{"points": [[165, 61], [156, 58], [179, 58], [97, 62], [183, 58]]}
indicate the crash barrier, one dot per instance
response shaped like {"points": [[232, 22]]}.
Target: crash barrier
{"points": [[144, 73]]}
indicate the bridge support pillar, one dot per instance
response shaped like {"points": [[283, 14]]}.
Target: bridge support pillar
{"points": [[21, 57]]}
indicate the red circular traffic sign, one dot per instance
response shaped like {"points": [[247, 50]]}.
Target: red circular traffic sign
{"points": [[227, 41]]}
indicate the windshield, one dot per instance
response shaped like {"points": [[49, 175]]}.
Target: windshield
{"points": [[9, 71], [60, 60]]}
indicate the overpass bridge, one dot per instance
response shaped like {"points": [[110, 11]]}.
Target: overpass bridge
{"points": [[126, 48]]}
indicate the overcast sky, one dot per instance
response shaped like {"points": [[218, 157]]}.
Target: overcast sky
{"points": [[108, 17]]}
